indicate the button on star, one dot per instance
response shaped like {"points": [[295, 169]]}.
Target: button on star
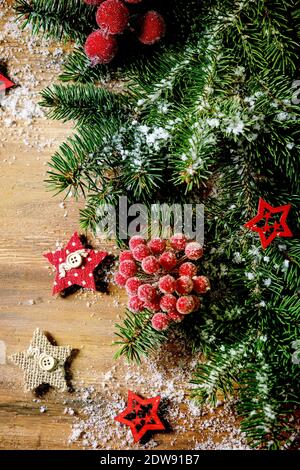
{"points": [[141, 415], [75, 265], [261, 223]]}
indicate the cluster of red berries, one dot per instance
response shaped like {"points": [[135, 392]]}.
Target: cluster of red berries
{"points": [[160, 276], [113, 18]]}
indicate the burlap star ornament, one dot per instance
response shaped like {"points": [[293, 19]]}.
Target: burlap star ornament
{"points": [[43, 363]]}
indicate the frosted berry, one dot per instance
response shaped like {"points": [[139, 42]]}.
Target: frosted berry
{"points": [[197, 302], [178, 241], [168, 303], [201, 284], [147, 293], [93, 2], [184, 285], [112, 16], [188, 269], [152, 28], [135, 241], [153, 306], [125, 255], [140, 252], [168, 260], [157, 245], [135, 304], [160, 321], [132, 285], [120, 280], [175, 316], [100, 48], [167, 284], [128, 268], [150, 265], [193, 251], [185, 304]]}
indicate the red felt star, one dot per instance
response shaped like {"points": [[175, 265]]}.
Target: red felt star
{"points": [[268, 231], [141, 415], [74, 265], [5, 83]]}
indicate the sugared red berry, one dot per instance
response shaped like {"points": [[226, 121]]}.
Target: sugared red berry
{"points": [[120, 280], [168, 302], [112, 16], [188, 269], [178, 241], [193, 251], [184, 285], [152, 28], [175, 316], [128, 268], [100, 48], [150, 265], [132, 285], [157, 245], [167, 284], [201, 284], [135, 304], [160, 321], [135, 241], [140, 252], [147, 293], [197, 302], [125, 255], [185, 304], [168, 260]]}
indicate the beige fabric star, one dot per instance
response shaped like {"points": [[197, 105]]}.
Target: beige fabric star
{"points": [[43, 363]]}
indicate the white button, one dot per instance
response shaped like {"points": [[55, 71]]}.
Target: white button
{"points": [[74, 260], [47, 363]]}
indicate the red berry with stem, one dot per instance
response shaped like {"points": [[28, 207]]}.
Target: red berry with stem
{"points": [[184, 285], [175, 316], [150, 265], [135, 241], [100, 48], [112, 16], [168, 260], [140, 252], [167, 284], [125, 255], [135, 304], [147, 293], [152, 28], [178, 241], [128, 268], [120, 280], [168, 302], [132, 285], [193, 251], [185, 305], [188, 269], [160, 321], [157, 245], [201, 284]]}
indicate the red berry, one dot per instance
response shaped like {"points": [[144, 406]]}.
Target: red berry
{"points": [[167, 284], [153, 306], [152, 28], [168, 303], [135, 241], [185, 304], [135, 304], [157, 245], [93, 2], [120, 280], [125, 255], [168, 260], [132, 285], [178, 241], [175, 316], [112, 16], [188, 269], [197, 302], [140, 252], [160, 321], [128, 268], [100, 48], [184, 285], [201, 284], [150, 265], [193, 251], [147, 293]]}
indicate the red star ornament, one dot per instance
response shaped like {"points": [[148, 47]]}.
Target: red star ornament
{"points": [[141, 415], [74, 265], [5, 83], [268, 231]]}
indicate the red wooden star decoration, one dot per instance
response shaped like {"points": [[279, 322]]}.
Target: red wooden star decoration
{"points": [[141, 415], [262, 222], [5, 83], [74, 265]]}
